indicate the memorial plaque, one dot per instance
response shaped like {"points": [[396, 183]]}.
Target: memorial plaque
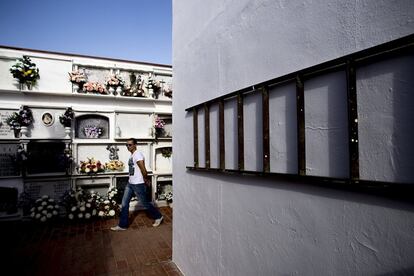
{"points": [[8, 164], [53, 188], [5, 131]]}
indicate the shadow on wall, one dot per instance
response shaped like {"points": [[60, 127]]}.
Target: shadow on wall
{"points": [[345, 192], [404, 271]]}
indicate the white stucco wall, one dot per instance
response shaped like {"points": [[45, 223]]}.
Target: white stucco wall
{"points": [[242, 225]]}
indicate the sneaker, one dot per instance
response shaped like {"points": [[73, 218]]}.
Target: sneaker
{"points": [[117, 228], [158, 221]]}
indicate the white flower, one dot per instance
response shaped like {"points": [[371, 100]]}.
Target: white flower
{"points": [[50, 207], [40, 208], [82, 209], [44, 203], [93, 212], [106, 201], [88, 205], [43, 219], [106, 207], [32, 215], [87, 215], [112, 213], [37, 216], [70, 216], [51, 200], [49, 215], [90, 200], [55, 212], [101, 213], [44, 212], [33, 209], [56, 206], [45, 196], [80, 215]]}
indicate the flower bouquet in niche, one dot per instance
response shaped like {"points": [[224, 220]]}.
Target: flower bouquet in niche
{"points": [[159, 127], [166, 152], [91, 166], [115, 82], [94, 87], [92, 131], [153, 86], [45, 208], [78, 79], [135, 89], [25, 71], [115, 165]]}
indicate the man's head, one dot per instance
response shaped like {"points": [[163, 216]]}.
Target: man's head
{"points": [[131, 144]]}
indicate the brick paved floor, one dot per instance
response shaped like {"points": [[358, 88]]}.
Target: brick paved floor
{"points": [[88, 248]]}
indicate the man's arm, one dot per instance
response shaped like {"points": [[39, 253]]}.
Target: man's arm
{"points": [[141, 166]]}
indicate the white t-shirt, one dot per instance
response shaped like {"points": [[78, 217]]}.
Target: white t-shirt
{"points": [[135, 175]]}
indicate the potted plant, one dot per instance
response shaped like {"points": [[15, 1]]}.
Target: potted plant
{"points": [[26, 72], [66, 120]]}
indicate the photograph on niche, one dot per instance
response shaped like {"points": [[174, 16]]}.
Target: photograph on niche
{"points": [[47, 119]]}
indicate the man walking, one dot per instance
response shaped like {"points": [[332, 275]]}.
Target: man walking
{"points": [[136, 184]]}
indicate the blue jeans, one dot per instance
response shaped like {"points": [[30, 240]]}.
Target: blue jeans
{"points": [[140, 191]]}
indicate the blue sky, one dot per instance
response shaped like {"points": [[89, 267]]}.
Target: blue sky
{"points": [[138, 30]]}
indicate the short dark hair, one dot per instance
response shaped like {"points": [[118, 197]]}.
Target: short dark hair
{"points": [[134, 141]]}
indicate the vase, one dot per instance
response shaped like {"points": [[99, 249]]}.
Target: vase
{"points": [[21, 86], [67, 132], [75, 87], [151, 92], [119, 90], [29, 86], [111, 90], [24, 131], [159, 132]]}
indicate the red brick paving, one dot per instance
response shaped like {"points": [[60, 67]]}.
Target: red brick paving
{"points": [[88, 248]]}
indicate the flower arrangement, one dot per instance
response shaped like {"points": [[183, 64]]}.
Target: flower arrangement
{"points": [[109, 207], [94, 87], [23, 118], [135, 88], [152, 83], [169, 196], [91, 166], [159, 123], [26, 116], [114, 165], [168, 92], [165, 192], [67, 117], [92, 131], [77, 77], [159, 127], [80, 205], [115, 80], [44, 209], [25, 71], [13, 121], [166, 152]]}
